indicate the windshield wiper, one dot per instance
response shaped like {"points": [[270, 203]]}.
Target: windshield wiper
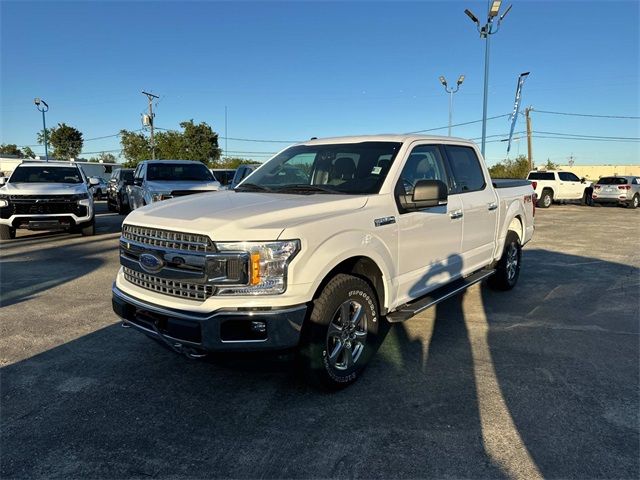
{"points": [[304, 188], [252, 187]]}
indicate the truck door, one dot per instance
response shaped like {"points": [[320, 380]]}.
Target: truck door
{"points": [[570, 185], [429, 239], [479, 206]]}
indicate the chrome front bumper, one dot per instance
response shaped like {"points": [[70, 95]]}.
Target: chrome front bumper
{"points": [[221, 330]]}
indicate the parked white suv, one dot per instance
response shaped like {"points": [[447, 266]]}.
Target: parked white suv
{"points": [[46, 196], [320, 247], [156, 180], [554, 185]]}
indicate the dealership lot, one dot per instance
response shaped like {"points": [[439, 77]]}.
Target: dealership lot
{"points": [[540, 381]]}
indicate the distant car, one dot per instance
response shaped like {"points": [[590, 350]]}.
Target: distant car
{"points": [[117, 198], [223, 175], [243, 172], [553, 186], [618, 190], [99, 189], [157, 180]]}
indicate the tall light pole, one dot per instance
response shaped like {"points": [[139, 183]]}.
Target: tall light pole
{"points": [[451, 91], [42, 106], [485, 31], [150, 124]]}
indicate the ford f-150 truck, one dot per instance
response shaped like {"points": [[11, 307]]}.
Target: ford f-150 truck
{"points": [[46, 196], [156, 180], [551, 186], [321, 246]]}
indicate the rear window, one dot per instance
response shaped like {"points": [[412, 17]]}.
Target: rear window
{"points": [[540, 176], [613, 181]]}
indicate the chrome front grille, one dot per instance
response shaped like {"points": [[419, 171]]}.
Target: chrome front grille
{"points": [[192, 291], [187, 242]]}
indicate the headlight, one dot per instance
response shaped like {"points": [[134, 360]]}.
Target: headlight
{"points": [[159, 196], [268, 262], [3, 203], [81, 196]]}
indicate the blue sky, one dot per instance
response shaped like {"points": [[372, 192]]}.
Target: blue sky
{"points": [[293, 70]]}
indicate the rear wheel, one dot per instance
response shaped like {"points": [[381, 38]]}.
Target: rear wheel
{"points": [[508, 267], [7, 232], [340, 336], [546, 199], [634, 201]]}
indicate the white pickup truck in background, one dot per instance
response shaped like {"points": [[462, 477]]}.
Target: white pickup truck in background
{"points": [[320, 247], [553, 185]]}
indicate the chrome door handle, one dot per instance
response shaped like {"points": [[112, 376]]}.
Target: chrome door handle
{"points": [[492, 206], [456, 214]]}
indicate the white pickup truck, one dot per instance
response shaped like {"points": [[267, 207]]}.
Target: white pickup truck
{"points": [[553, 185], [320, 246]]}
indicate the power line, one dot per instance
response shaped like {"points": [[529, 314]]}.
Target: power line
{"points": [[578, 135], [586, 115], [458, 124]]}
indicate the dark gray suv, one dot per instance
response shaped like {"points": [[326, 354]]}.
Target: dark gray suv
{"points": [[117, 198]]}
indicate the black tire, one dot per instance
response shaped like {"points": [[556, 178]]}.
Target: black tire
{"points": [[330, 355], [634, 201], [546, 199], [508, 267], [7, 232], [89, 230], [121, 209]]}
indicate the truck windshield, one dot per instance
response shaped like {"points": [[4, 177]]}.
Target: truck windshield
{"points": [[175, 172], [351, 168], [43, 174]]}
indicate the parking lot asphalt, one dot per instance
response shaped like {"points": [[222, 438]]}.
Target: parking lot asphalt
{"points": [[542, 381]]}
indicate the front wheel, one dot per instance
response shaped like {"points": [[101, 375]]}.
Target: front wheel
{"points": [[340, 336], [508, 267], [7, 232]]}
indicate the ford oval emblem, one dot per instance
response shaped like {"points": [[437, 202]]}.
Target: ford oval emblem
{"points": [[150, 262]]}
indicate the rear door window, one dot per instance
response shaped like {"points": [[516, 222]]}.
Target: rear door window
{"points": [[467, 172]]}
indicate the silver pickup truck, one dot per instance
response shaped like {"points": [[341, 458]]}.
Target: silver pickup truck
{"points": [[156, 180]]}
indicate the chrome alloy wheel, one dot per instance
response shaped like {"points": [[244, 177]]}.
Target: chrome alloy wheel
{"points": [[512, 262], [346, 335]]}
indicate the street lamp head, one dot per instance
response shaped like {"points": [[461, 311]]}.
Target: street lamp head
{"points": [[505, 12], [473, 18], [460, 79], [443, 80], [36, 101], [495, 8]]}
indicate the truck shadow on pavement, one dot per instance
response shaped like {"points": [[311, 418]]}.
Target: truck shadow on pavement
{"points": [[484, 385]]}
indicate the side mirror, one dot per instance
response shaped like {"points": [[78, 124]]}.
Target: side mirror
{"points": [[583, 180], [137, 182], [426, 193], [94, 181]]}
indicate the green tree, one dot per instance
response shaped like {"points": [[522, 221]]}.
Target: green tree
{"points": [[516, 168], [195, 142], [104, 157], [232, 162], [66, 141], [550, 165], [40, 136], [135, 148], [11, 149], [28, 153]]}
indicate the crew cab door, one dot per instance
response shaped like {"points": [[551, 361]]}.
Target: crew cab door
{"points": [[479, 206], [429, 240], [570, 185]]}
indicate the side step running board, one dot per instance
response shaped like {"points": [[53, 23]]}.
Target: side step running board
{"points": [[410, 309]]}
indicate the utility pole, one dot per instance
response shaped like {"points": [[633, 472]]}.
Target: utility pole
{"points": [[151, 96], [226, 134], [529, 144]]}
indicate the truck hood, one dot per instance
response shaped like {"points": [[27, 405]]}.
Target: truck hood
{"points": [[157, 186], [44, 188], [230, 215]]}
